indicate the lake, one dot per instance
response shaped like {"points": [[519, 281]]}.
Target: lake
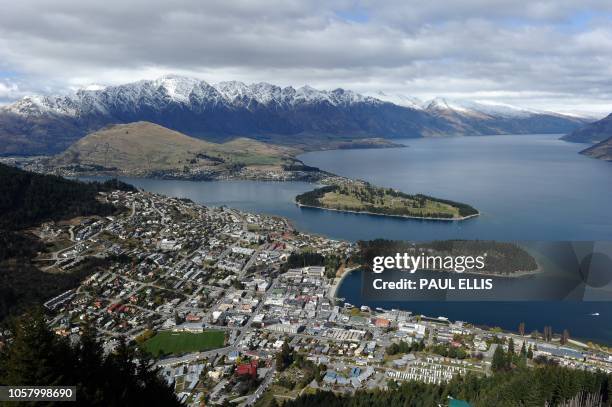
{"points": [[528, 187], [576, 317], [532, 187]]}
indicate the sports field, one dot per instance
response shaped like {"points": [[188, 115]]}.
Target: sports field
{"points": [[168, 342]]}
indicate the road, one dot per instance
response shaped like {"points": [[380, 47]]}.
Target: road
{"points": [[252, 399], [248, 264]]}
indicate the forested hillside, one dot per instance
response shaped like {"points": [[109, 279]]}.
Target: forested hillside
{"points": [[34, 355], [28, 198]]}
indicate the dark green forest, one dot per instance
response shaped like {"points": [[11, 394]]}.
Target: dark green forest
{"points": [[28, 199], [33, 355], [311, 198], [23, 285]]}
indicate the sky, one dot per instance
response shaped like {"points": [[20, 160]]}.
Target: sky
{"points": [[543, 54]]}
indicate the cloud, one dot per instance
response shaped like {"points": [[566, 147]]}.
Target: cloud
{"points": [[9, 90], [543, 53]]}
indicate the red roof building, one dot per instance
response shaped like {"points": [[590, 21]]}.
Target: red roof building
{"points": [[382, 322], [247, 369]]}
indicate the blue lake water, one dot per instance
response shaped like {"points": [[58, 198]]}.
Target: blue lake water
{"points": [[576, 317], [531, 187]]}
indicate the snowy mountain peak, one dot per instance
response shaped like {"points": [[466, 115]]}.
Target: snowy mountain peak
{"points": [[233, 90], [464, 107], [189, 92], [438, 103], [194, 94], [197, 108], [398, 99], [485, 108], [238, 93], [308, 94], [178, 88]]}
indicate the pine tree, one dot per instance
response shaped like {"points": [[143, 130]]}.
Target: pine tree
{"points": [[510, 355], [533, 397], [90, 357], [499, 359], [511, 346], [34, 355], [284, 358]]}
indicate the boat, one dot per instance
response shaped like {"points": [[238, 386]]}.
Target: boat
{"points": [[594, 314]]}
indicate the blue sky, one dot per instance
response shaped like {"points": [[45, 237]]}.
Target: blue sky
{"points": [[544, 54], [355, 15]]}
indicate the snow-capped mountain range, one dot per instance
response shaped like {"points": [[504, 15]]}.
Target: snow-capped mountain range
{"points": [[184, 91], [284, 115], [460, 106]]}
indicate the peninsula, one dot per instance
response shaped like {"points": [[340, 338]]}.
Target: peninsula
{"points": [[363, 197], [601, 150], [145, 149]]}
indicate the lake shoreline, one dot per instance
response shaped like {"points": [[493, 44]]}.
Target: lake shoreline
{"points": [[518, 274], [390, 215], [333, 291]]}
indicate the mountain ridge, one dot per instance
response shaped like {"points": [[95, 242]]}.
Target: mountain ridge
{"points": [[282, 115], [594, 132], [601, 150]]}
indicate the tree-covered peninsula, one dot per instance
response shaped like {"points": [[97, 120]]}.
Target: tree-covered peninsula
{"points": [[359, 196]]}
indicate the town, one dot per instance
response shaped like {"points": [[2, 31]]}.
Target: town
{"points": [[242, 308]]}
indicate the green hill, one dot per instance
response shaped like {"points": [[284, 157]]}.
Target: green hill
{"points": [[144, 148]]}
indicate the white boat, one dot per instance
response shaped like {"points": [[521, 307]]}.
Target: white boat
{"points": [[594, 314]]}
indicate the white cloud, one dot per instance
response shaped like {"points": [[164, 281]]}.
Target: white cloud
{"points": [[542, 54], [9, 91]]}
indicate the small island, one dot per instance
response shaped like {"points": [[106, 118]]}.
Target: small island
{"points": [[362, 197]]}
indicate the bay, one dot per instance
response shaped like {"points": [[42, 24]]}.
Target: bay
{"points": [[528, 187]]}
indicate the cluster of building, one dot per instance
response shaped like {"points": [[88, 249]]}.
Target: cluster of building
{"points": [[172, 265], [428, 371]]}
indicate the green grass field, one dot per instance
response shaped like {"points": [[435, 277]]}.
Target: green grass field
{"points": [[167, 342]]}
